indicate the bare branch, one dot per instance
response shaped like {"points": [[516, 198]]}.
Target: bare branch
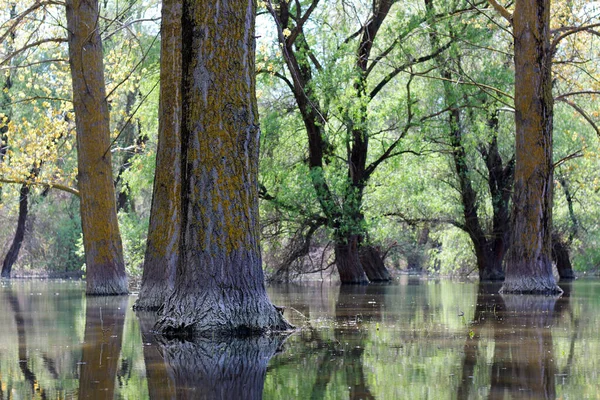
{"points": [[47, 185], [585, 115], [501, 10]]}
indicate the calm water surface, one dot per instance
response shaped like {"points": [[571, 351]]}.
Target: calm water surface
{"points": [[410, 340]]}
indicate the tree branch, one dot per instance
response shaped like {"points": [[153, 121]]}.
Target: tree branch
{"points": [[47, 185], [501, 10]]}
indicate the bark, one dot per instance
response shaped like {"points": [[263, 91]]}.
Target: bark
{"points": [[15, 247], [348, 262], [219, 283], [105, 267], [560, 255], [213, 369], [104, 321], [162, 249], [372, 263], [529, 260]]}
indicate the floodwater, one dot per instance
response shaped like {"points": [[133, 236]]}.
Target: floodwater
{"points": [[415, 339]]}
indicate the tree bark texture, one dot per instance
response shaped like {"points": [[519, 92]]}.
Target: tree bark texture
{"points": [[105, 267], [219, 284], [529, 260], [15, 247], [212, 369], [104, 321], [162, 250]]}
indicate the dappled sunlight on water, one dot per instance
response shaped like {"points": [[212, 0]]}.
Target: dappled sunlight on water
{"points": [[414, 339]]}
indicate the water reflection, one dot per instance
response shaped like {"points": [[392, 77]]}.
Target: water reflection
{"points": [[419, 339], [104, 320], [523, 363], [205, 368]]}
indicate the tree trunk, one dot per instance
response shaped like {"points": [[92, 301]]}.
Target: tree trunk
{"points": [[15, 247], [105, 268], [373, 265], [529, 260], [5, 100], [560, 255], [104, 321], [347, 261], [162, 249], [219, 284]]}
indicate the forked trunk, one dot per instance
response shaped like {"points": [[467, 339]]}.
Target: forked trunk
{"points": [[105, 267], [219, 283], [162, 248], [529, 259]]}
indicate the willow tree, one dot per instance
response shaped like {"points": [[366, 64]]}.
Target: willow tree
{"points": [[162, 250], [105, 268], [528, 265], [219, 283]]}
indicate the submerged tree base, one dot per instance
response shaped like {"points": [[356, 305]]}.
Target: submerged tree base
{"points": [[106, 287], [215, 315], [531, 285]]}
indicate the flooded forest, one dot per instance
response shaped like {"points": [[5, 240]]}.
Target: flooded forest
{"points": [[299, 199]]}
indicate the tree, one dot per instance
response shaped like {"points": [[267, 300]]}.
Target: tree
{"points": [[338, 120], [219, 284], [105, 268], [163, 243], [461, 103], [529, 259]]}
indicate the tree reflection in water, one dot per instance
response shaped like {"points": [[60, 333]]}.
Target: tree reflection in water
{"points": [[523, 363], [205, 368], [104, 320]]}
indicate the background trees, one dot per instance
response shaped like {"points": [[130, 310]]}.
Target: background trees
{"points": [[410, 105]]}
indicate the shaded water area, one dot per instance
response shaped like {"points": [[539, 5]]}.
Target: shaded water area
{"points": [[414, 339]]}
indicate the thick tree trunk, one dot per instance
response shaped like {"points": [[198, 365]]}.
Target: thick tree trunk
{"points": [[529, 260], [105, 268], [162, 249], [104, 321], [347, 261], [15, 247], [219, 284]]}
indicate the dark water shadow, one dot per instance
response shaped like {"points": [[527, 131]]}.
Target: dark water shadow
{"points": [[104, 321], [234, 368], [523, 363]]}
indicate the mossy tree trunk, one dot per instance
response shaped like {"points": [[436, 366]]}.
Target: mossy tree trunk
{"points": [[162, 250], [219, 283], [528, 264], [105, 267]]}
